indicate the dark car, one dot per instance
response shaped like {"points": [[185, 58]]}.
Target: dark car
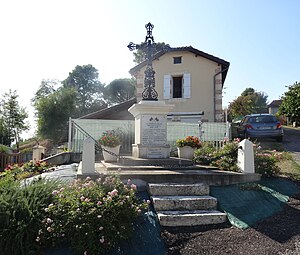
{"points": [[260, 126]]}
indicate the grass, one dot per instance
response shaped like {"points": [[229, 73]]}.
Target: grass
{"points": [[289, 167]]}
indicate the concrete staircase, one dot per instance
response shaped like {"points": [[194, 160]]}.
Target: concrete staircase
{"points": [[179, 205]]}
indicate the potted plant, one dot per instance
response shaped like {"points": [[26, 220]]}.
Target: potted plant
{"points": [[110, 143], [187, 146]]}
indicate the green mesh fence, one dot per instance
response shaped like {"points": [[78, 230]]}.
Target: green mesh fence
{"points": [[208, 131]]}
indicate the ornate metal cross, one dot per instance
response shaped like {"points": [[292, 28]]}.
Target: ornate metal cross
{"points": [[149, 92]]}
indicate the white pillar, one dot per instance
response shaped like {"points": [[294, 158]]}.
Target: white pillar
{"points": [[246, 156], [87, 165], [37, 152]]}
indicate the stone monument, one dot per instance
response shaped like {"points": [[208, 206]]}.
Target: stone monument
{"points": [[150, 114]]}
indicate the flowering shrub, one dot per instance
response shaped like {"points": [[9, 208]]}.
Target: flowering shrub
{"points": [[205, 154], [226, 157], [28, 169], [110, 138], [91, 216], [265, 163], [191, 141]]}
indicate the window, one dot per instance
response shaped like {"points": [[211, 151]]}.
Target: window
{"points": [[177, 86], [177, 60]]}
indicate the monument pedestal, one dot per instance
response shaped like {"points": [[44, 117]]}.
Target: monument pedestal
{"points": [[150, 129]]}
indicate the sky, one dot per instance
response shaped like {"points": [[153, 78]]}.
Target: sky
{"points": [[46, 39]]}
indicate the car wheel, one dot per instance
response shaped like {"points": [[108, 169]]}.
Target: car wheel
{"points": [[279, 139]]}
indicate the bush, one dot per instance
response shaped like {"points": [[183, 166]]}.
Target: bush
{"points": [[226, 157], [21, 213], [91, 216], [265, 163], [205, 154]]}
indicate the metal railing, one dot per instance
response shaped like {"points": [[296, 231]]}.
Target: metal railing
{"points": [[206, 131]]}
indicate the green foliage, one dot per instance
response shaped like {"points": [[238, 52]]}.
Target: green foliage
{"points": [[110, 138], [290, 106], [13, 117], [226, 157], [53, 112], [248, 102], [90, 216], [89, 90], [21, 214], [27, 169], [191, 141], [141, 54], [205, 154], [119, 90], [4, 149], [266, 163]]}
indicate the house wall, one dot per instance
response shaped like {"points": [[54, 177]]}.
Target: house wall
{"points": [[203, 95]]}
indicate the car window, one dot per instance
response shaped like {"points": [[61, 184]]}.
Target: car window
{"points": [[262, 119]]}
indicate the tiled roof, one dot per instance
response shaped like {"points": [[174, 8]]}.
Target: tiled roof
{"points": [[225, 64]]}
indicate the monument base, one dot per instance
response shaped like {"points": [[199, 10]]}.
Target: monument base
{"points": [[150, 152], [150, 129]]}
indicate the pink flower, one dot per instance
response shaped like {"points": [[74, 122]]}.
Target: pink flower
{"points": [[133, 186], [99, 203], [49, 221], [113, 193], [54, 192], [82, 198]]}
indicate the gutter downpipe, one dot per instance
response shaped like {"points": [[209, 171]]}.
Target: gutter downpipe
{"points": [[214, 108]]}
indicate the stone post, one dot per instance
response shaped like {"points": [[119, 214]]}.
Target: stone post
{"points": [[246, 156], [37, 153], [87, 165]]}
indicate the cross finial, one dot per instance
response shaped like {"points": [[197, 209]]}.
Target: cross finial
{"points": [[149, 92]]}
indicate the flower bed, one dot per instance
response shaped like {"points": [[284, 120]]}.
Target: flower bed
{"points": [[88, 216], [27, 169]]}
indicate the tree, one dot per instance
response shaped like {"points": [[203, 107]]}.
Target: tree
{"points": [[250, 101], [141, 53], [46, 88], [290, 105], [53, 112], [119, 90], [4, 136], [13, 117], [85, 80]]}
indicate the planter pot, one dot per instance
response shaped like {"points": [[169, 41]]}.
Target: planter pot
{"points": [[110, 157], [186, 152]]}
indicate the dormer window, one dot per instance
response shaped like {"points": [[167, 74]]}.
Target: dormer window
{"points": [[177, 60]]}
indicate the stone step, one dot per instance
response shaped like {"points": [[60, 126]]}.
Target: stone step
{"points": [[190, 218], [165, 203], [166, 189]]}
